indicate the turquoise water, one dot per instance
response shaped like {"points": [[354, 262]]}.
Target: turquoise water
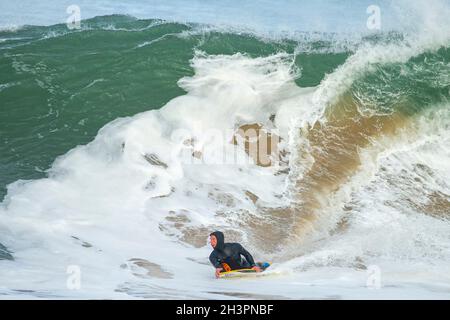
{"points": [[59, 87]]}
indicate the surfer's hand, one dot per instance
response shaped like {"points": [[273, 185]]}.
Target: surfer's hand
{"points": [[257, 269], [218, 270]]}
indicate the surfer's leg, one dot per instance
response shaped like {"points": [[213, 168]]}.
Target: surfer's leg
{"points": [[263, 265]]}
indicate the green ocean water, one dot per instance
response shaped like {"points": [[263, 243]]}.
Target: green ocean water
{"points": [[58, 87]]}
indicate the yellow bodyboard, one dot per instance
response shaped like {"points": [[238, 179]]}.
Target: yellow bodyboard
{"points": [[242, 273]]}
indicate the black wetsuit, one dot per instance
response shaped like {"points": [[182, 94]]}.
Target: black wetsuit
{"points": [[230, 253]]}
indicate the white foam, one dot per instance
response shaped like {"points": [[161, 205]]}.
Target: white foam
{"points": [[108, 195], [385, 229]]}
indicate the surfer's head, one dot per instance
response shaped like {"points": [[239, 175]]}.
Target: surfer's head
{"points": [[217, 240]]}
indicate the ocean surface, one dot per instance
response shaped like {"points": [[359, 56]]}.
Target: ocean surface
{"points": [[123, 145]]}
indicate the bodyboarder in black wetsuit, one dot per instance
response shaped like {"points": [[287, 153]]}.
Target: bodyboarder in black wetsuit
{"points": [[229, 256]]}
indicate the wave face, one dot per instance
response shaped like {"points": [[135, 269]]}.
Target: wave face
{"points": [[126, 142]]}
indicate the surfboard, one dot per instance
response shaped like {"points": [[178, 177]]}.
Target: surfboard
{"points": [[245, 273]]}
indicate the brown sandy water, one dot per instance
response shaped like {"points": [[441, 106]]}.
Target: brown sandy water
{"points": [[334, 147]]}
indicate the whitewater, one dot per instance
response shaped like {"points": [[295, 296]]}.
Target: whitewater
{"points": [[351, 200]]}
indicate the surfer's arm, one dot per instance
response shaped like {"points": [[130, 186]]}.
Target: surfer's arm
{"points": [[247, 256], [218, 271], [215, 261]]}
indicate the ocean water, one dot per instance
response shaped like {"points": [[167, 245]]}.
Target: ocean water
{"points": [[123, 144]]}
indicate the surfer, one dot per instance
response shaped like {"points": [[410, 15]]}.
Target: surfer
{"points": [[229, 256]]}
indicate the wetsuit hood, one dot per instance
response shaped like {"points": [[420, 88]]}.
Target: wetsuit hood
{"points": [[220, 240]]}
